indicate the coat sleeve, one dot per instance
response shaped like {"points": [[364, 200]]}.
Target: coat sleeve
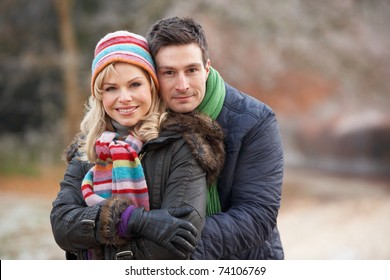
{"points": [[251, 194], [179, 181], [73, 222], [186, 185]]}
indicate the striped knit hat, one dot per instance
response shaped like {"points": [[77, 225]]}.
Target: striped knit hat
{"points": [[122, 46]]}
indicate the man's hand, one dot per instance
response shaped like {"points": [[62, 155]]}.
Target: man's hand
{"points": [[165, 228]]}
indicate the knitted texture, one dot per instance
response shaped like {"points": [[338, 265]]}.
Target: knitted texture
{"points": [[212, 102], [213, 205], [122, 46], [212, 105], [117, 172]]}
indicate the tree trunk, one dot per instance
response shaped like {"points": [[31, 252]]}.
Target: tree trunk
{"points": [[73, 107]]}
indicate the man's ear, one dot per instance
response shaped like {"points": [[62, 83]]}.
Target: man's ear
{"points": [[207, 67]]}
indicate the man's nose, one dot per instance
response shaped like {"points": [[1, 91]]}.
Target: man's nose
{"points": [[182, 83]]}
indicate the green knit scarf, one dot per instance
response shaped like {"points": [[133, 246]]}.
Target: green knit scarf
{"points": [[212, 105], [215, 95]]}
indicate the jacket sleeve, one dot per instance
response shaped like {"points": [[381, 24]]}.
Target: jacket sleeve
{"points": [[182, 182], [73, 222], [186, 185], [251, 194]]}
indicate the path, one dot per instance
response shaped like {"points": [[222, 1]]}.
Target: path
{"points": [[322, 217]]}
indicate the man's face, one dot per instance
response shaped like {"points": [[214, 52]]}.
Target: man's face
{"points": [[182, 76]]}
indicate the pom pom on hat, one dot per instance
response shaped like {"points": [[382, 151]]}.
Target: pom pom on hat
{"points": [[122, 46]]}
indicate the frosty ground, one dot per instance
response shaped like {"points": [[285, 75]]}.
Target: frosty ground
{"points": [[322, 217]]}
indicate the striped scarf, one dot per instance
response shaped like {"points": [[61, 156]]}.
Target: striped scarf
{"points": [[118, 171]]}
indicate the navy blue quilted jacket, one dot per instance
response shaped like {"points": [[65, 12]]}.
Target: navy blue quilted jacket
{"points": [[250, 185]]}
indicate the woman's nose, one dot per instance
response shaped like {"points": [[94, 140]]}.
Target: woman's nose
{"points": [[125, 95]]}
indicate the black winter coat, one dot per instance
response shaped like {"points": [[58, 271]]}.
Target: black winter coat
{"points": [[250, 184], [177, 164]]}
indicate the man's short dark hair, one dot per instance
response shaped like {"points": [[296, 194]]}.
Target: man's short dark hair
{"points": [[177, 31]]}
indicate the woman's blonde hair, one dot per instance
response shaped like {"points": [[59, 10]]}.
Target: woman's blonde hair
{"points": [[96, 120]]}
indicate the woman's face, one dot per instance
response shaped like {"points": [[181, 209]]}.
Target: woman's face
{"points": [[126, 94]]}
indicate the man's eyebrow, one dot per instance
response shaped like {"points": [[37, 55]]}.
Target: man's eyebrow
{"points": [[167, 67], [196, 64]]}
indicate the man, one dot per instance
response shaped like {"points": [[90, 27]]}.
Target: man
{"points": [[244, 225]]}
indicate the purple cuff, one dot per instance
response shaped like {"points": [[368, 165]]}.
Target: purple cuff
{"points": [[125, 217]]}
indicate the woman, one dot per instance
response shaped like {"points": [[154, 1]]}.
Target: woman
{"points": [[132, 156]]}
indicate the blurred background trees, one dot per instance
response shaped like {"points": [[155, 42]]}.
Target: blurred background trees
{"points": [[69, 63], [323, 66]]}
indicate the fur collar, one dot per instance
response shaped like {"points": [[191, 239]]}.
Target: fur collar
{"points": [[203, 135]]}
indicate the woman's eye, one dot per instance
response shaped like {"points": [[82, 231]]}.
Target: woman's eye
{"points": [[109, 88], [135, 84]]}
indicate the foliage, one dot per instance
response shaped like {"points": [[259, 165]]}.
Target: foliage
{"points": [[288, 53]]}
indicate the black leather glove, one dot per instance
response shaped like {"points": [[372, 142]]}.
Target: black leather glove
{"points": [[164, 227]]}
